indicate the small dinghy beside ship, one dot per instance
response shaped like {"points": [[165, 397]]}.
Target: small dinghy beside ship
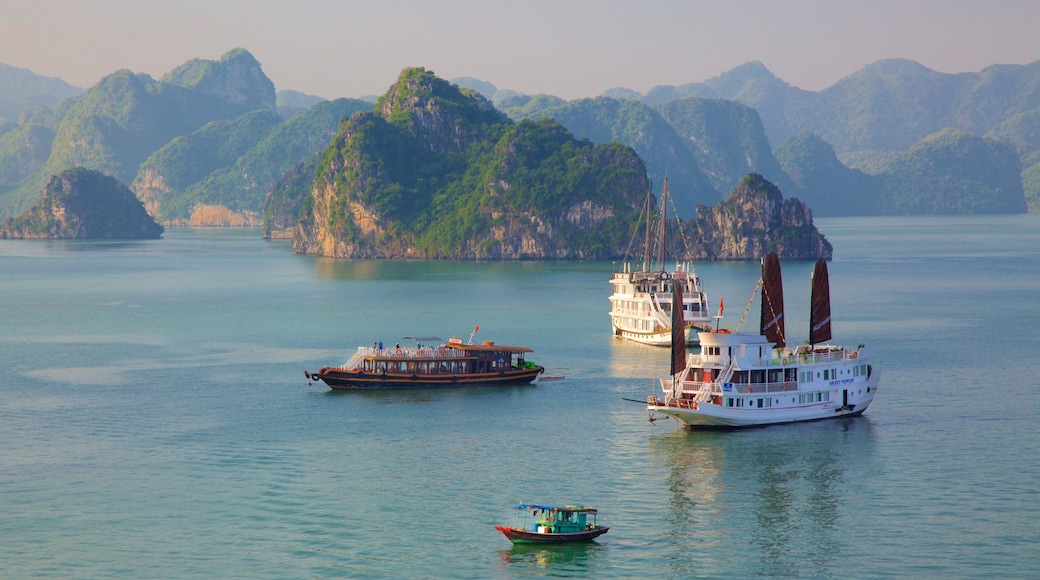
{"points": [[745, 380], [449, 364], [548, 524]]}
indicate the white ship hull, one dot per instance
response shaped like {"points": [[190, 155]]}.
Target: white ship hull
{"points": [[659, 338], [641, 303]]}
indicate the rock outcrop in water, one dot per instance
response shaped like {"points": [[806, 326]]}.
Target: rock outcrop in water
{"points": [[754, 221], [85, 205]]}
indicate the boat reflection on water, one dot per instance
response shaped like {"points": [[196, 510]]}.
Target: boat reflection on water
{"points": [[558, 560], [785, 492], [636, 362], [420, 395]]}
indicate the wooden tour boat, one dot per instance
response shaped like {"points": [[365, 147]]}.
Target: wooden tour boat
{"points": [[451, 363]]}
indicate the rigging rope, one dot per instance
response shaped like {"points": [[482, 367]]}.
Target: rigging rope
{"points": [[751, 301], [682, 234]]}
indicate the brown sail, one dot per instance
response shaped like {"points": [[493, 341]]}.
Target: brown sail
{"points": [[678, 330], [820, 316], [772, 320]]}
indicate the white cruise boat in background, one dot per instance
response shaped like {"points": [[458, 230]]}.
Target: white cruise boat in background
{"points": [[744, 380], [641, 300]]}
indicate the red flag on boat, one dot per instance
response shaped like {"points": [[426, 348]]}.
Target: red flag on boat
{"points": [[720, 306], [476, 328]]}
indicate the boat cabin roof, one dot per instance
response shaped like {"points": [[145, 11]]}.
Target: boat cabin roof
{"points": [[565, 509], [488, 346]]}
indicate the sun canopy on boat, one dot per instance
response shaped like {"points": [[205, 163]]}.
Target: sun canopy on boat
{"points": [[569, 508]]}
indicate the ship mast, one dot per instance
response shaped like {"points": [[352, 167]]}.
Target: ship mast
{"points": [[664, 224], [646, 240]]}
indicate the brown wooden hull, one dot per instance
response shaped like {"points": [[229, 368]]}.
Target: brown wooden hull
{"points": [[518, 536], [343, 379]]}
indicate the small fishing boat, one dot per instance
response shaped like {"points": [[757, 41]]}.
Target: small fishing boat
{"points": [[642, 298], [539, 524], [448, 364], [745, 380]]}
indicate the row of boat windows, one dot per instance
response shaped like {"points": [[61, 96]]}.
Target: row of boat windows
{"points": [[787, 375], [640, 308], [831, 374], [765, 403], [636, 324], [436, 367]]}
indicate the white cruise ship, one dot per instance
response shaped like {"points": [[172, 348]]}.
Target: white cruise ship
{"points": [[641, 299], [745, 380]]}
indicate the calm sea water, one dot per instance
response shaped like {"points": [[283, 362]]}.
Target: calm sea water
{"points": [[155, 421]]}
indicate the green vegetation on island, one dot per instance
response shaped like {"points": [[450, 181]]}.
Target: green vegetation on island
{"points": [[437, 172], [85, 205]]}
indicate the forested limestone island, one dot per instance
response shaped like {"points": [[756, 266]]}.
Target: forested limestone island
{"points": [[436, 172], [753, 221], [83, 204]]}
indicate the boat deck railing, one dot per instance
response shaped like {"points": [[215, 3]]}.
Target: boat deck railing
{"points": [[426, 352], [787, 360], [815, 357], [702, 390]]}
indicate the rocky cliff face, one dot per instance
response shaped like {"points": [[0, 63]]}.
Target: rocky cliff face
{"points": [[84, 204], [284, 199], [754, 221], [236, 78], [440, 115], [151, 187]]}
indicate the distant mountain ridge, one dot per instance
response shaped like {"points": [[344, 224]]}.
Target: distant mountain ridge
{"points": [[869, 121], [120, 121], [887, 105], [705, 137], [21, 89]]}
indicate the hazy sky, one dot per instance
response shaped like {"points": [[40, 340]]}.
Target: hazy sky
{"points": [[572, 49]]}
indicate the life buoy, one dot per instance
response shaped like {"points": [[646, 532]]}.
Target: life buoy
{"points": [[443, 352], [855, 354], [751, 389], [784, 361]]}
